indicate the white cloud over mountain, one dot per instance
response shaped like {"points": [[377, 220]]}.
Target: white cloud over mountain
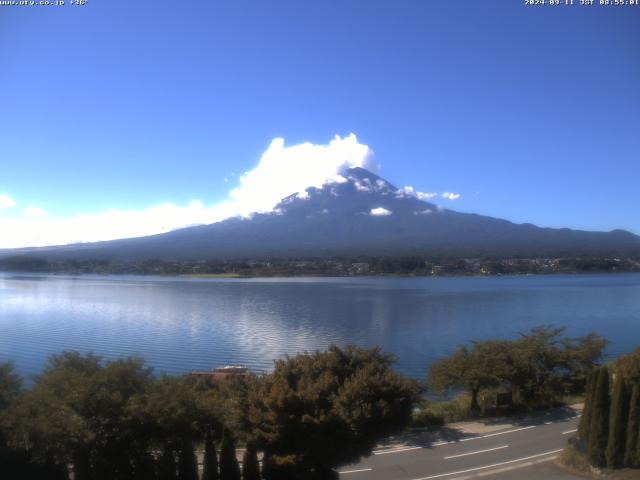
{"points": [[281, 171], [450, 195], [412, 192], [380, 212], [285, 170]]}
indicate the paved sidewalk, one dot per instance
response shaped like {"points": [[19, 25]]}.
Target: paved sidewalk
{"points": [[459, 430]]}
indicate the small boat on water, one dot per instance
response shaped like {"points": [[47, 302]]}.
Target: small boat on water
{"points": [[227, 371]]}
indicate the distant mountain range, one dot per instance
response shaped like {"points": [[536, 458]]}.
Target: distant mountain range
{"points": [[362, 216]]}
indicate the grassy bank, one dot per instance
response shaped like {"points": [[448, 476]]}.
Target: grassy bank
{"points": [[435, 414], [577, 462]]}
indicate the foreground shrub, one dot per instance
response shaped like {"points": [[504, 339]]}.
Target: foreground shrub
{"points": [[322, 410]]}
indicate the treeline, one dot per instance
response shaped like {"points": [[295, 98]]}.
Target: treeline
{"points": [[531, 371], [609, 430], [337, 266], [96, 420]]}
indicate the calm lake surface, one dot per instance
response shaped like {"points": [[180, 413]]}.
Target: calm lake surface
{"points": [[182, 324]]}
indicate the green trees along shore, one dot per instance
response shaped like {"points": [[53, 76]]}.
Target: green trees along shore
{"points": [[535, 369], [89, 419], [114, 420]]}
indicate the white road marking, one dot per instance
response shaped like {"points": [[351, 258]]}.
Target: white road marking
{"points": [[489, 466], [396, 450], [570, 431], [438, 444], [355, 471], [548, 423], [515, 467], [496, 434], [478, 451]]}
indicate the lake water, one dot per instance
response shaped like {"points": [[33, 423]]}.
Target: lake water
{"points": [[182, 324]]}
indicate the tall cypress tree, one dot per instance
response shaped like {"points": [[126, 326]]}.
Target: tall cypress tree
{"points": [[585, 420], [229, 468], [250, 465], [144, 466], [631, 458], [187, 462], [210, 461], [618, 424], [599, 428], [267, 466], [167, 465], [81, 464]]}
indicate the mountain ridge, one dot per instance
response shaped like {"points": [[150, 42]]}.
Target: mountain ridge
{"points": [[362, 215]]}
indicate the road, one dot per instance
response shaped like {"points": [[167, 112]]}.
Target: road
{"points": [[519, 452]]}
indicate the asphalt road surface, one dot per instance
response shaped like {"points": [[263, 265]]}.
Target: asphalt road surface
{"points": [[520, 452]]}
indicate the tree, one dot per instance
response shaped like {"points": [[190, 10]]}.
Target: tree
{"points": [[538, 362], [537, 365], [229, 468], [167, 464], [629, 366], [172, 412], [599, 429], [618, 424], [471, 370], [10, 384], [585, 419], [582, 355], [12, 462], [144, 465], [49, 421], [187, 463], [250, 465], [322, 410], [210, 461], [631, 458], [78, 412]]}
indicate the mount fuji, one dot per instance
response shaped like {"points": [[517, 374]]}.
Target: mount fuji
{"points": [[363, 215]]}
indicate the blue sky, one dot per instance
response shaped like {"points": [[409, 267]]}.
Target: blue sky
{"points": [[529, 113]]}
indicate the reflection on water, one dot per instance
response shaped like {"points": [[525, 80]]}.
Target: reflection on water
{"points": [[179, 325]]}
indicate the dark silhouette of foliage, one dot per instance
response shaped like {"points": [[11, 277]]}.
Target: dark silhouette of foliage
{"points": [[268, 472], [210, 461], [187, 463], [229, 468], [81, 464], [144, 466], [250, 465], [167, 464], [599, 430]]}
